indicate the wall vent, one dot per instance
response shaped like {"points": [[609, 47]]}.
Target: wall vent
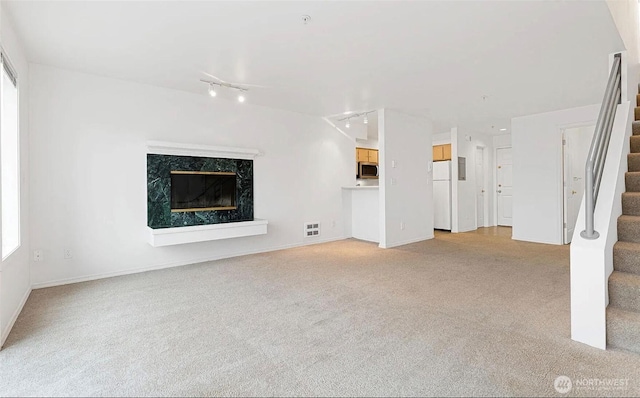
{"points": [[311, 229]]}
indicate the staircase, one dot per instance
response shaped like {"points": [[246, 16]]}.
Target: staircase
{"points": [[623, 312]]}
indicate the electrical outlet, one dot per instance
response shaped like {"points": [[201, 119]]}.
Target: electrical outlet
{"points": [[393, 181], [333, 223], [37, 255], [67, 253], [402, 225]]}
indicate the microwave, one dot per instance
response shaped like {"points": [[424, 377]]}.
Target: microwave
{"points": [[367, 170]]}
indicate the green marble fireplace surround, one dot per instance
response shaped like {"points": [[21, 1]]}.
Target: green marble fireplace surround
{"points": [[159, 167]]}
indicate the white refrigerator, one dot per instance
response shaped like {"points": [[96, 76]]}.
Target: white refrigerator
{"points": [[442, 195]]}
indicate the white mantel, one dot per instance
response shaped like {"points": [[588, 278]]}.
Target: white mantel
{"points": [[201, 233], [178, 149]]}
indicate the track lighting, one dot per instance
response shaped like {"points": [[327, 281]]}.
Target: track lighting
{"points": [[212, 89], [351, 115]]}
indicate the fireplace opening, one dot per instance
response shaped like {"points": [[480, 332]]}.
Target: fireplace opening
{"points": [[202, 190]]}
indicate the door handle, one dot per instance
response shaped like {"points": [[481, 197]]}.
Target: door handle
{"points": [[499, 191], [573, 192]]}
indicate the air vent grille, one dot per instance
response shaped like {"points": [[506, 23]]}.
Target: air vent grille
{"points": [[311, 229]]}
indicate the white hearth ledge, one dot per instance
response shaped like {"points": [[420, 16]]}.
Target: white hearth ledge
{"points": [[177, 149], [201, 233]]}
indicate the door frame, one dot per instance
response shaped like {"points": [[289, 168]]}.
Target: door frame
{"points": [[495, 181], [563, 172], [485, 181]]}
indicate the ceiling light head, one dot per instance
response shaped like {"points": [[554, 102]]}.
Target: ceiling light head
{"points": [[365, 120], [212, 91], [503, 129], [241, 98], [347, 124]]}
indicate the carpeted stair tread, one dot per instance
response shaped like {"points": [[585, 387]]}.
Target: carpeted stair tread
{"points": [[626, 257], [633, 161], [624, 291], [635, 144], [636, 113], [635, 127], [623, 329], [631, 203], [629, 228], [632, 181], [637, 99]]}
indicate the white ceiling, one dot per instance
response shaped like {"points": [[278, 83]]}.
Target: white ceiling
{"points": [[426, 58]]}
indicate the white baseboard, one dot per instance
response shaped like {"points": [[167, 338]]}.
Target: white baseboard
{"points": [[406, 242], [87, 278], [534, 240], [14, 318]]}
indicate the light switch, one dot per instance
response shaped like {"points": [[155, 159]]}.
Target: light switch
{"points": [[393, 164]]}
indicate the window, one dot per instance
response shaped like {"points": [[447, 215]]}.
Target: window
{"points": [[9, 158]]}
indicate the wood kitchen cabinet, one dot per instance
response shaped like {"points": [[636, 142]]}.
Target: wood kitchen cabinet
{"points": [[441, 152], [373, 156], [366, 155]]}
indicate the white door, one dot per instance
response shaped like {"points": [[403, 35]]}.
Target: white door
{"points": [[575, 148], [504, 174], [480, 186]]}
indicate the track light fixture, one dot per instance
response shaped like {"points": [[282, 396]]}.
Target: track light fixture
{"points": [[213, 93], [352, 115]]}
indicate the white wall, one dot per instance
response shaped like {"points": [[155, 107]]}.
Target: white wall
{"points": [[537, 172], [501, 141], [365, 214], [88, 172], [625, 16], [15, 283], [441, 138], [406, 190], [466, 194]]}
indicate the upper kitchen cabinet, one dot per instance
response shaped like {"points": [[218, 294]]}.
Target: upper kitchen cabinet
{"points": [[441, 152], [367, 155]]}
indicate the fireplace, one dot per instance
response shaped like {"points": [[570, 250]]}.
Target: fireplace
{"points": [[186, 191], [202, 190]]}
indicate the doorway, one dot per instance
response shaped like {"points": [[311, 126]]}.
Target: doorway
{"points": [[575, 148], [481, 202], [504, 189]]}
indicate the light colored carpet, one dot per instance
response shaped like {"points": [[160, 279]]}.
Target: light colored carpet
{"points": [[464, 314]]}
